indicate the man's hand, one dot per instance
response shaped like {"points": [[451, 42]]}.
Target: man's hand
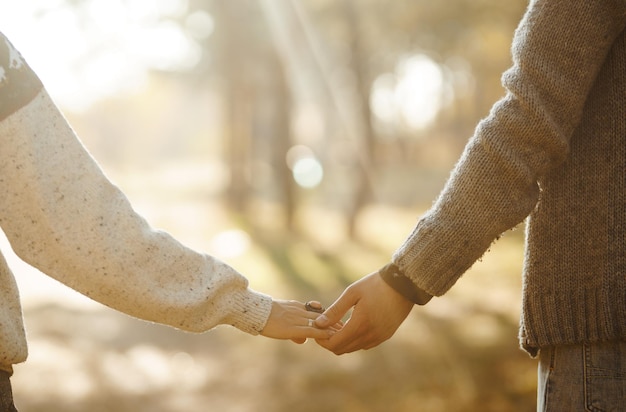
{"points": [[378, 312]]}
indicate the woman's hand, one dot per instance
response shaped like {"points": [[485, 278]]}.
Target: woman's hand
{"points": [[289, 319]]}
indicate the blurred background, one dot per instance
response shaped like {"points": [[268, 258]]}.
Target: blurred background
{"points": [[299, 141]]}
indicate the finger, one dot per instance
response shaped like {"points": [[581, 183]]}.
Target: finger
{"points": [[337, 310], [311, 332], [358, 333], [338, 346], [349, 339], [336, 327], [313, 316]]}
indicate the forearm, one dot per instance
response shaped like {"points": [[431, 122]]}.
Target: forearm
{"points": [[558, 50], [63, 216]]}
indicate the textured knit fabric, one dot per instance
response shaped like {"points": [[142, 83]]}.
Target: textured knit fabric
{"points": [[553, 149], [63, 216]]}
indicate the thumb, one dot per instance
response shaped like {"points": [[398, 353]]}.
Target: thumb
{"points": [[333, 314]]}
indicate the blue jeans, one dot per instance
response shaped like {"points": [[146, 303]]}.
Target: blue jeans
{"points": [[585, 377], [6, 394]]}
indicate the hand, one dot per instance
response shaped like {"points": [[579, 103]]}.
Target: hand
{"points": [[290, 320], [378, 312]]}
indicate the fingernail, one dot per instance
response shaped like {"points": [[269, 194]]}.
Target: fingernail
{"points": [[321, 320]]}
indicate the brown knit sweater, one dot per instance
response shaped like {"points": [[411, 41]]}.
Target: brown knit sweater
{"points": [[553, 149], [62, 215]]}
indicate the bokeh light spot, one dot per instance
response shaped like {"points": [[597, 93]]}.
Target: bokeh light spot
{"points": [[308, 172]]}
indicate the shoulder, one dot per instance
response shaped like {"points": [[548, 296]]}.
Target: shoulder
{"points": [[18, 83]]}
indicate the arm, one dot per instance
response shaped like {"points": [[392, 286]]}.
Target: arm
{"points": [[558, 50], [63, 216]]}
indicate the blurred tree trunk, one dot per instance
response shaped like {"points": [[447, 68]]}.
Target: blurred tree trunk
{"points": [[366, 161], [237, 142], [307, 56], [237, 98], [282, 130], [295, 65]]}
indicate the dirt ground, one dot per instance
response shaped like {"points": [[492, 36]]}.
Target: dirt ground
{"points": [[458, 353]]}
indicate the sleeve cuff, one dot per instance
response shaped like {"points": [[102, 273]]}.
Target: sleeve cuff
{"points": [[251, 310], [392, 275]]}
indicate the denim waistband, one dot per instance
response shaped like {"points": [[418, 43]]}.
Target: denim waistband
{"points": [[6, 393]]}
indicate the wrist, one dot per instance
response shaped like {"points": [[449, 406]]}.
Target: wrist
{"points": [[392, 275]]}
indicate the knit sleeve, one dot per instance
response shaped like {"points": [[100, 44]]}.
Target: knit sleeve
{"points": [[64, 217], [558, 50], [18, 83]]}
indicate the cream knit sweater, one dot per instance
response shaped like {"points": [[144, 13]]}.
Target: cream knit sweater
{"points": [[554, 149], [64, 217]]}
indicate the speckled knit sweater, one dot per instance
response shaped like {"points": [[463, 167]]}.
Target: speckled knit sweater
{"points": [[63, 216], [553, 149]]}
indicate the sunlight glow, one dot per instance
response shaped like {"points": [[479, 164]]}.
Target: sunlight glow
{"points": [[99, 48], [200, 24], [307, 170], [308, 173], [230, 243], [412, 95]]}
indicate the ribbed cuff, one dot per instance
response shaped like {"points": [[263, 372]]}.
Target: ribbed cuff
{"points": [[251, 310], [392, 275]]}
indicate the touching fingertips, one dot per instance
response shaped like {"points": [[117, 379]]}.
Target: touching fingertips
{"points": [[322, 321]]}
